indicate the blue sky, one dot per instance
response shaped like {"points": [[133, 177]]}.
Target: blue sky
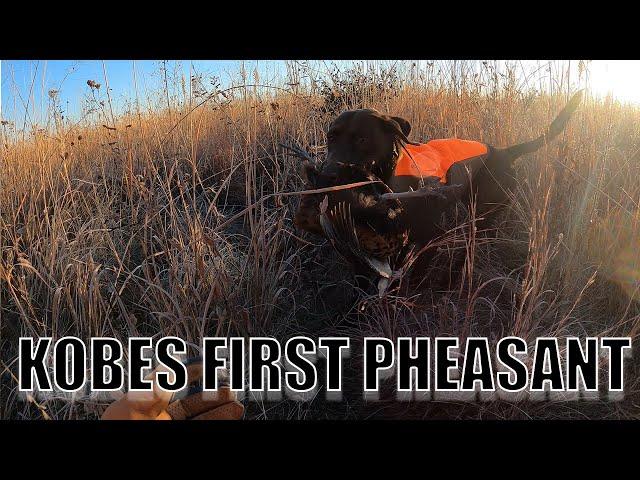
{"points": [[28, 82]]}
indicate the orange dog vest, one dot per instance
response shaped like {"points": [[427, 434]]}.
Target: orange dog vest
{"points": [[434, 158]]}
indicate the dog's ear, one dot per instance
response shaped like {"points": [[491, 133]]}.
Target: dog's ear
{"points": [[400, 128], [405, 126]]}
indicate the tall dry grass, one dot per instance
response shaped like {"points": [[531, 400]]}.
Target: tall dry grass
{"points": [[130, 227]]}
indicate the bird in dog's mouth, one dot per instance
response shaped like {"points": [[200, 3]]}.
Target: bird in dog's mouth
{"points": [[365, 223]]}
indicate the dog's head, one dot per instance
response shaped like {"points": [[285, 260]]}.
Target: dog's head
{"points": [[367, 139]]}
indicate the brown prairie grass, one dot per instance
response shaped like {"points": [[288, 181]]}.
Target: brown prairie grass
{"points": [[121, 229]]}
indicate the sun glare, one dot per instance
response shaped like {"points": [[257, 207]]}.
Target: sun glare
{"points": [[619, 78]]}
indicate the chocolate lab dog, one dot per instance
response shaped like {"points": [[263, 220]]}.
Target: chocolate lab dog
{"points": [[412, 184]]}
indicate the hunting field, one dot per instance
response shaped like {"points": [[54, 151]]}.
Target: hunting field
{"points": [[163, 221]]}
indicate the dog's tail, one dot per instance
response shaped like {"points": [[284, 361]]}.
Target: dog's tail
{"points": [[553, 131]]}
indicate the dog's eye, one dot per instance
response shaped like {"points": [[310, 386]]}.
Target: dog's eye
{"points": [[361, 140]]}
